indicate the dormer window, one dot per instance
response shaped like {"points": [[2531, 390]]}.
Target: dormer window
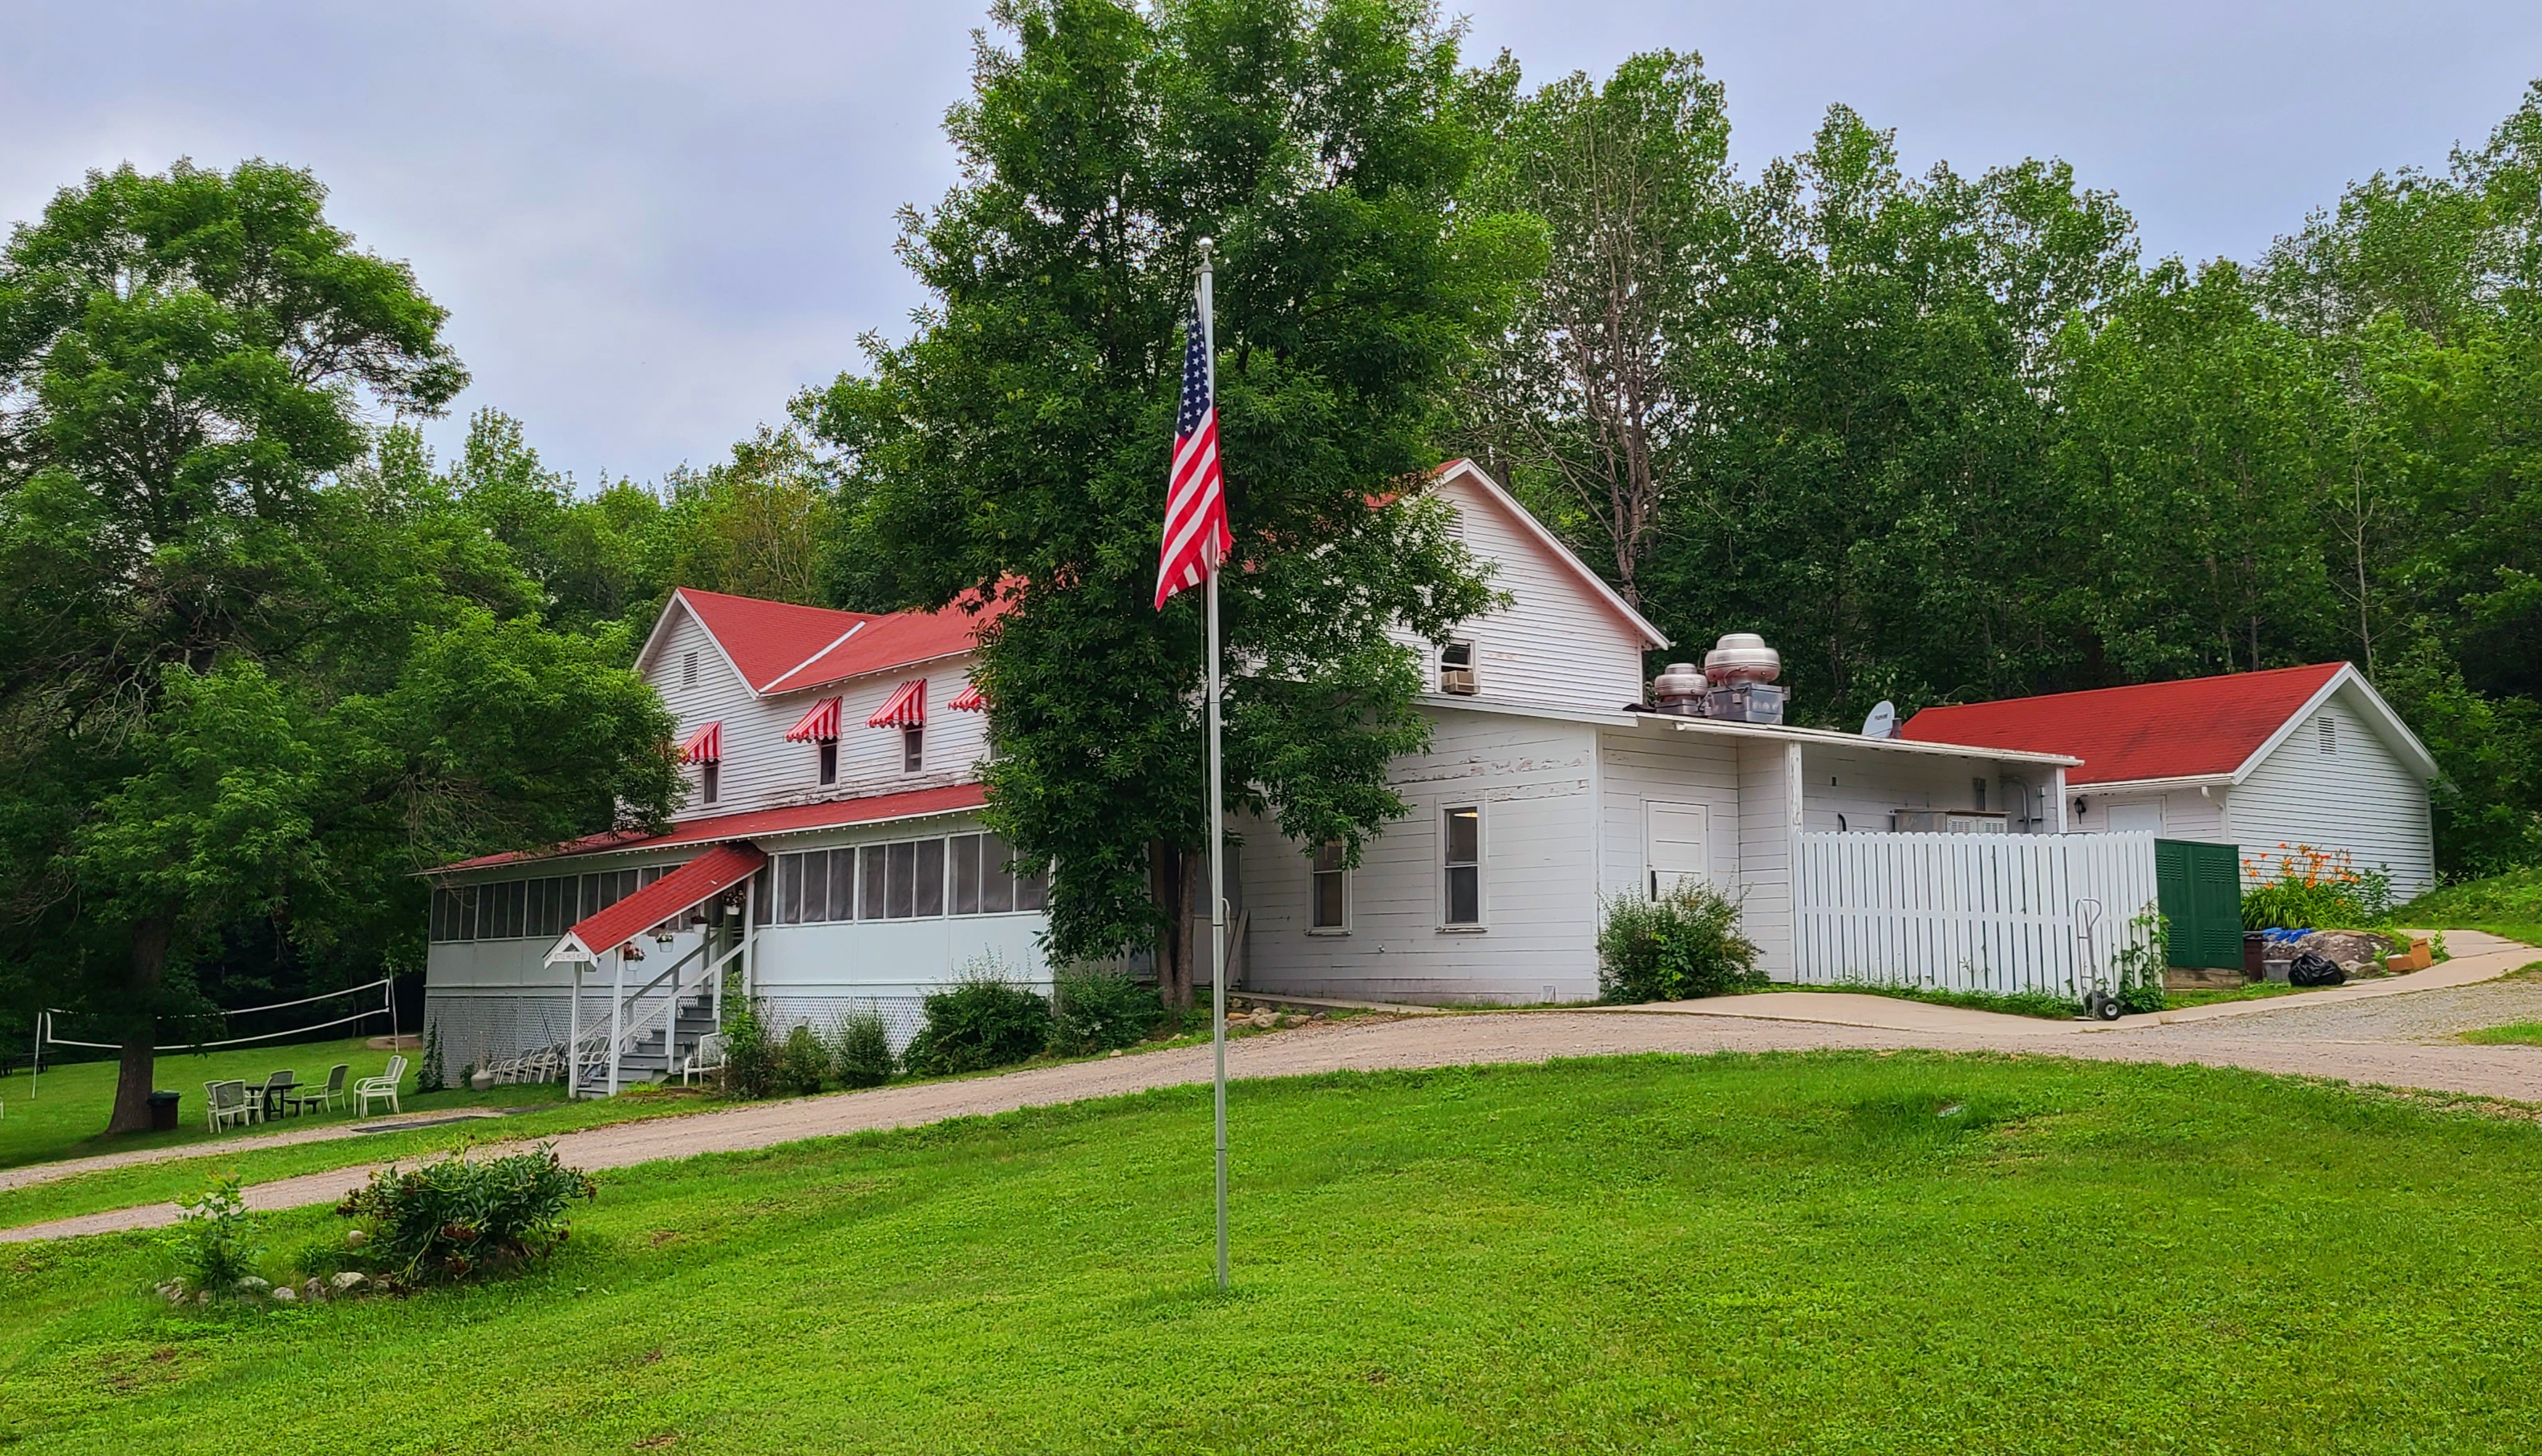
{"points": [[1456, 669]]}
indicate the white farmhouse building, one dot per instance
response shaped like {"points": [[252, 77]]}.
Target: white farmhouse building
{"points": [[832, 850], [2268, 761]]}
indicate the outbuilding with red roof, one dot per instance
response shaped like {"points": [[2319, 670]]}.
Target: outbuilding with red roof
{"points": [[2266, 761]]}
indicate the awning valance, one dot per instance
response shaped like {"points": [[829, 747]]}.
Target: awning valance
{"points": [[969, 701], [822, 722], [705, 745], [905, 708], [709, 875]]}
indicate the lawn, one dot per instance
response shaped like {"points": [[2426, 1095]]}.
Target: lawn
{"points": [[65, 1115], [1830, 1253], [2513, 1033], [2508, 905]]}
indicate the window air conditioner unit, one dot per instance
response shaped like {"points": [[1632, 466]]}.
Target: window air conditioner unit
{"points": [[1456, 669]]}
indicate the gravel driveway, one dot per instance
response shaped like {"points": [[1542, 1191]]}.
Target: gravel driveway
{"points": [[2385, 1041]]}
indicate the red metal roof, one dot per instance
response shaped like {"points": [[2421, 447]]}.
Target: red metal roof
{"points": [[792, 819], [781, 647], [709, 874], [2193, 728]]}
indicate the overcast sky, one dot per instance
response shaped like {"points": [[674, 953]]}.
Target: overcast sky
{"points": [[653, 222]]}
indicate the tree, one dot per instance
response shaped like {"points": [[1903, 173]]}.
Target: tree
{"points": [[1609, 373], [1014, 450], [232, 688]]}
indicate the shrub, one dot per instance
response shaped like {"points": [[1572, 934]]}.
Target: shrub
{"points": [[2316, 889], [214, 1240], [457, 1217], [802, 1062], [1097, 1010], [750, 1052], [983, 1020], [861, 1050], [1684, 945]]}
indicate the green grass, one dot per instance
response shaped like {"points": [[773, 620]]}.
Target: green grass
{"points": [[2508, 905], [2257, 990], [1832, 1253], [2513, 1033]]}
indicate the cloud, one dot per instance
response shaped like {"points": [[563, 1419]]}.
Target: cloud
{"points": [[653, 222]]}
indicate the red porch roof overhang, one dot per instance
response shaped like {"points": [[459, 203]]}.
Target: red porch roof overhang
{"points": [[702, 877], [751, 823], [905, 708]]}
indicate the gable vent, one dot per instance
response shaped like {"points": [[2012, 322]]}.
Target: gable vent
{"points": [[2328, 731], [689, 670]]}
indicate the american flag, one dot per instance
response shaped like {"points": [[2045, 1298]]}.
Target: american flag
{"points": [[1196, 534]]}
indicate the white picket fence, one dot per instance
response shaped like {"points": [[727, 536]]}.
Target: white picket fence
{"points": [[1990, 913]]}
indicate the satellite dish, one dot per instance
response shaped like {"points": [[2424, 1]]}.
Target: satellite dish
{"points": [[1883, 722]]}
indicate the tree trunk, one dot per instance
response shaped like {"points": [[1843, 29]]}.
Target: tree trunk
{"points": [[1168, 877], [132, 1080]]}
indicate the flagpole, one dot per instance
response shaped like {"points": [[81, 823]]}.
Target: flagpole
{"points": [[1216, 817]]}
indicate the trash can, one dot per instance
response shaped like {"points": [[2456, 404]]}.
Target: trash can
{"points": [[163, 1111]]}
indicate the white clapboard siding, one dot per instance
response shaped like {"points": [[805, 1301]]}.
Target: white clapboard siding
{"points": [[2359, 797], [1987, 913], [1766, 830], [1557, 644]]}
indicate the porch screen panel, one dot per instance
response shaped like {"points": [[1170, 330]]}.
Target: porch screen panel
{"points": [[965, 850], [790, 888], [870, 878], [997, 881], [900, 881], [930, 877], [1032, 889], [842, 884]]}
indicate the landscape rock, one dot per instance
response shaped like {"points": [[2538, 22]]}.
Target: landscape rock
{"points": [[173, 1291], [1265, 1019], [252, 1283], [288, 1294], [2349, 948], [356, 1238], [310, 1288], [346, 1283]]}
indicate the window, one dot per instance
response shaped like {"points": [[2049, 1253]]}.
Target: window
{"points": [[688, 670], [912, 748], [982, 884], [813, 887], [1456, 669], [1329, 900], [710, 779], [1463, 863], [2328, 731], [829, 762], [1976, 786], [514, 909]]}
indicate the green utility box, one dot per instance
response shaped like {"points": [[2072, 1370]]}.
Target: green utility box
{"points": [[2201, 890]]}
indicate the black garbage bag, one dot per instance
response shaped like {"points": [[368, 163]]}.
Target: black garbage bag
{"points": [[2312, 968]]}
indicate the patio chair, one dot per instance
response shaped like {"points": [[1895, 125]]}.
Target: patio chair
{"points": [[707, 1058], [382, 1088], [275, 1094], [225, 1103], [322, 1098]]}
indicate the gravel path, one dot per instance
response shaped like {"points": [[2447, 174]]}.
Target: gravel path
{"points": [[2330, 1040]]}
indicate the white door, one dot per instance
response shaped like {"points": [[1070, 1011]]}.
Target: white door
{"points": [[2142, 816], [1679, 838]]}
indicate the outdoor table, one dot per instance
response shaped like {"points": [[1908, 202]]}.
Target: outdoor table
{"points": [[274, 1094]]}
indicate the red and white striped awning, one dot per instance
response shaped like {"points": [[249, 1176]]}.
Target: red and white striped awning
{"points": [[969, 701], [705, 745], [821, 723], [905, 708]]}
